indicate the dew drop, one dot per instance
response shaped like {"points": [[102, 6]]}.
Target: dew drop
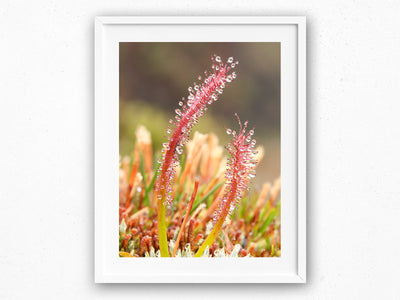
{"points": [[228, 131], [218, 59], [230, 60], [180, 103]]}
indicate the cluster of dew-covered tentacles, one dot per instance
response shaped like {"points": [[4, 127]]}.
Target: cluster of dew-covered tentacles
{"points": [[252, 228]]}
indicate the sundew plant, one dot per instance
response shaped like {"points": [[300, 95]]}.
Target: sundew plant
{"points": [[197, 203]]}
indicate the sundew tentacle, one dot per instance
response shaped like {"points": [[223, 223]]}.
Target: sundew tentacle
{"points": [[240, 169], [201, 95]]}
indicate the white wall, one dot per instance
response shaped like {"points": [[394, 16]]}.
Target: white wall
{"points": [[46, 154]]}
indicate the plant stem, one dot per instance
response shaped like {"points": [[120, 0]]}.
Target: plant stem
{"points": [[217, 228], [211, 237], [162, 230]]}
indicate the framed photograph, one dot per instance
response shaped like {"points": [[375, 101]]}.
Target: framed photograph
{"points": [[200, 150]]}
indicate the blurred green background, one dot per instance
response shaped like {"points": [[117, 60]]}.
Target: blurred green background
{"points": [[153, 77]]}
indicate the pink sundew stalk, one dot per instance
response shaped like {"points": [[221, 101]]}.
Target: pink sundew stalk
{"points": [[240, 168], [200, 96]]}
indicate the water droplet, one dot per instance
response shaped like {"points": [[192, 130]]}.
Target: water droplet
{"points": [[233, 75], [168, 131], [199, 78], [171, 121], [228, 131], [180, 103], [233, 66], [251, 132], [218, 59], [230, 60], [178, 112], [229, 78], [179, 150]]}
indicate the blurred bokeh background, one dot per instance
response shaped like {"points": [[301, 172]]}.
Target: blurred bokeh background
{"points": [[155, 76]]}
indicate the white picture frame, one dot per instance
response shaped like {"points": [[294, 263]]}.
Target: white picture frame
{"points": [[291, 266]]}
